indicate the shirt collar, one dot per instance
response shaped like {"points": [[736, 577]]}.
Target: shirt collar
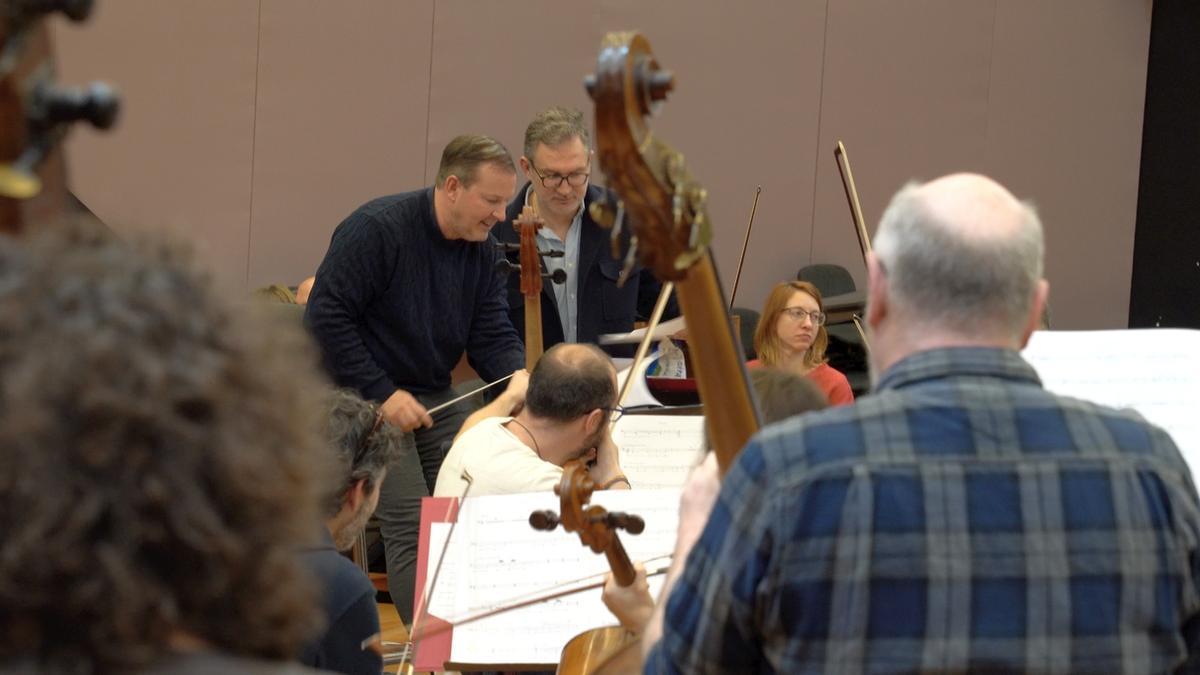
{"points": [[578, 214], [958, 362]]}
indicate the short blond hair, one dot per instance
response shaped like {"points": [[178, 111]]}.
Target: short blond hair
{"points": [[464, 155], [555, 126]]}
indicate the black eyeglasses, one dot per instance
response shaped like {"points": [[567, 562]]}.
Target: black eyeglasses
{"points": [[552, 181], [616, 411], [799, 313]]}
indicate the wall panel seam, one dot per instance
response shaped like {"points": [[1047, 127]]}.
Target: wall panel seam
{"points": [[253, 145], [812, 226]]}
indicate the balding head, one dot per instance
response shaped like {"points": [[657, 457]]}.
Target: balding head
{"points": [[571, 380], [961, 258]]}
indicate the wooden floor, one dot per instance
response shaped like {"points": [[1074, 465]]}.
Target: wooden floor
{"points": [[390, 623]]}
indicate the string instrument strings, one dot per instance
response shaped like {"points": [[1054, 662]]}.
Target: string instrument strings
{"points": [[745, 243], [856, 215]]}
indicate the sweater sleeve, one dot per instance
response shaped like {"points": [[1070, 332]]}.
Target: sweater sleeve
{"points": [[352, 275], [493, 348]]}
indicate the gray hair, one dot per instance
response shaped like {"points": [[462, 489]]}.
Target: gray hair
{"points": [[959, 282], [555, 126], [362, 443]]}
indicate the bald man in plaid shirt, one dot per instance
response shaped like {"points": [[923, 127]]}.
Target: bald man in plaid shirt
{"points": [[960, 518]]}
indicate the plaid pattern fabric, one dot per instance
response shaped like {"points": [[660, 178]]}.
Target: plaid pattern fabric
{"points": [[960, 518]]}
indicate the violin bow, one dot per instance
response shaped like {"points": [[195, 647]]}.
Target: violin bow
{"points": [[860, 227], [745, 243], [644, 346]]}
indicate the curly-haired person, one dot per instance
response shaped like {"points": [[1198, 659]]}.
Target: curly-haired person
{"points": [[364, 445], [162, 464]]}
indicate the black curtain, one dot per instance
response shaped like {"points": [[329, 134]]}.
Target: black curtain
{"points": [[1165, 288]]}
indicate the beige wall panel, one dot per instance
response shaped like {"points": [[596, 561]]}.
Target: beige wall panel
{"points": [[906, 90], [342, 106], [744, 111], [180, 156], [1065, 130]]}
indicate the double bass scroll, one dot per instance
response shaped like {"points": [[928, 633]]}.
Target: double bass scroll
{"points": [[666, 208]]}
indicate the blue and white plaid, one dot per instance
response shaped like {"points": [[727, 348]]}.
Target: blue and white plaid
{"points": [[960, 518]]}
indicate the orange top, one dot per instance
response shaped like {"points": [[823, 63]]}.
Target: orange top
{"points": [[830, 380]]}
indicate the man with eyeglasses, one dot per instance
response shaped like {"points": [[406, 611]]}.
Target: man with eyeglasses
{"points": [[568, 414], [557, 165]]}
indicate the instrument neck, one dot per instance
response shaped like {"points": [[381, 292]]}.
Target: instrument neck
{"points": [[618, 561], [730, 412], [533, 331]]}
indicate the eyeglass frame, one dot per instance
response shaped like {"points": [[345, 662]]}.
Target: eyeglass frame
{"points": [[800, 314], [616, 412], [561, 178], [361, 450]]}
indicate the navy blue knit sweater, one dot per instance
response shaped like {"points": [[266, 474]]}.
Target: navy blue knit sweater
{"points": [[395, 303]]}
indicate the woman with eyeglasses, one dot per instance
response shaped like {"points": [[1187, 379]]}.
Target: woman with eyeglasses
{"points": [[791, 335]]}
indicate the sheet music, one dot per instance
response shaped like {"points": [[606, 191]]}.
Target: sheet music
{"points": [[1156, 372], [502, 557], [658, 451], [662, 330]]}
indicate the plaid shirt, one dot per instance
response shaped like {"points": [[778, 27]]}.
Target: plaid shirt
{"points": [[961, 517]]}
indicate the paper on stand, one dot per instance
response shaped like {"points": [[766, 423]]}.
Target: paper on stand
{"points": [[662, 330], [496, 556], [658, 451], [1155, 371]]}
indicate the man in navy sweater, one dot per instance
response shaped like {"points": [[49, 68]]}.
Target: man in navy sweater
{"points": [[408, 284], [557, 163]]}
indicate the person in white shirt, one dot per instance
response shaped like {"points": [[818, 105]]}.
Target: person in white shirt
{"points": [[570, 398]]}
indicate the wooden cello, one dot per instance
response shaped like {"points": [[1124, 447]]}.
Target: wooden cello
{"points": [[530, 268], [666, 208], [35, 113]]}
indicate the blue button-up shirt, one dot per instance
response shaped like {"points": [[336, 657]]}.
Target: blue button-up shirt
{"points": [[565, 294], [961, 518]]}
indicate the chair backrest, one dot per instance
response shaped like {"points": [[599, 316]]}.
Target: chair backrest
{"points": [[829, 279], [749, 322]]}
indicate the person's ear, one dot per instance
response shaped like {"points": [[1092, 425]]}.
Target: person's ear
{"points": [[452, 187], [356, 495], [1040, 294], [594, 419], [877, 291]]}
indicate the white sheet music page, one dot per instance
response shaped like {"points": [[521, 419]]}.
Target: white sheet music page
{"points": [[506, 558], [658, 451], [1154, 371]]}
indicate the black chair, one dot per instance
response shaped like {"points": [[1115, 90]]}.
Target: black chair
{"points": [[829, 279], [846, 351], [748, 318]]}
